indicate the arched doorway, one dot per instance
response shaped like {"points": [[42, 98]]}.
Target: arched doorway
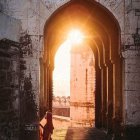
{"points": [[74, 85], [102, 33]]}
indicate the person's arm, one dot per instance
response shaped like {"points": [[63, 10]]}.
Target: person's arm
{"points": [[41, 125]]}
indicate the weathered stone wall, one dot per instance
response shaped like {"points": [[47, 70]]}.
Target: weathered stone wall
{"points": [[131, 53], [9, 27], [28, 88], [82, 86], [9, 90], [127, 13], [9, 76]]}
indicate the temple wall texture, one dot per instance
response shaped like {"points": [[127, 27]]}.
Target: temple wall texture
{"points": [[9, 90], [82, 87], [9, 27]]}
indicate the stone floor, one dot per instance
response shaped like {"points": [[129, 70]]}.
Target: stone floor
{"points": [[79, 134]]}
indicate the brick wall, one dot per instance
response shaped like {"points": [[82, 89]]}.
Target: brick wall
{"points": [[61, 106], [9, 90], [82, 86]]}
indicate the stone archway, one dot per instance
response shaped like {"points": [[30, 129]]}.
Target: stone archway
{"points": [[103, 35]]}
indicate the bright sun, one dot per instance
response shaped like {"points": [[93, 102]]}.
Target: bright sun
{"points": [[75, 36], [61, 73]]}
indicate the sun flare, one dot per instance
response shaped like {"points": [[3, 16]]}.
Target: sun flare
{"points": [[61, 73], [75, 36]]}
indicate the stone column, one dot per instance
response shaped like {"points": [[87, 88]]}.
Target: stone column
{"points": [[117, 98], [98, 100], [109, 96], [50, 84], [82, 87], [104, 97]]}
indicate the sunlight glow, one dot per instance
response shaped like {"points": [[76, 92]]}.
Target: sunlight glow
{"points": [[75, 36], [61, 73]]}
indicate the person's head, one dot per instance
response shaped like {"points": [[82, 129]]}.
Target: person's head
{"points": [[48, 115]]}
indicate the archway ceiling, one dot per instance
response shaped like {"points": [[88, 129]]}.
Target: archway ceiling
{"points": [[93, 20]]}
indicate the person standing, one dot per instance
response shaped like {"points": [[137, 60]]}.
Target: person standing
{"points": [[48, 127]]}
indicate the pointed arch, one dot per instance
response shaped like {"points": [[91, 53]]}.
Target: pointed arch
{"points": [[103, 33]]}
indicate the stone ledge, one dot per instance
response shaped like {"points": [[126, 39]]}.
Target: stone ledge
{"points": [[82, 104]]}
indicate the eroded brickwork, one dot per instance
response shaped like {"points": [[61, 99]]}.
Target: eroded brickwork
{"points": [[82, 87], [131, 53], [29, 107], [9, 90]]}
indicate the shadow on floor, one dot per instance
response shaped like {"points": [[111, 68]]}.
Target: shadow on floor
{"points": [[85, 134]]}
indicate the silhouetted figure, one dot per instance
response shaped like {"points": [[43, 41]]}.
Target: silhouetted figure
{"points": [[41, 131], [48, 127]]}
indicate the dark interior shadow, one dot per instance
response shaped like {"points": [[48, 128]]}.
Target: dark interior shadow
{"points": [[81, 133]]}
